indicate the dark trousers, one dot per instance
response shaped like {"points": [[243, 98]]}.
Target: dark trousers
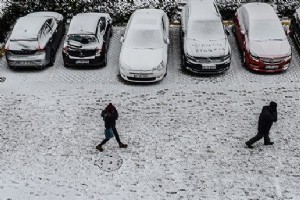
{"points": [[116, 134], [260, 136]]}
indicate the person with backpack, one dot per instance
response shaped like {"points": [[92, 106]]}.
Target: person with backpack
{"points": [[110, 115]]}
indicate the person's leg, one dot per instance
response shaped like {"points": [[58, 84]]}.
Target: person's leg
{"points": [[267, 140], [255, 138], [99, 146], [121, 145]]}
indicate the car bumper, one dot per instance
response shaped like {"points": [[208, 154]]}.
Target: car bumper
{"points": [[23, 61], [268, 67], [84, 62], [142, 76], [202, 68]]}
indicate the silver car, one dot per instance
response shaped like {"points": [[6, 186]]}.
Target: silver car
{"points": [[34, 40]]}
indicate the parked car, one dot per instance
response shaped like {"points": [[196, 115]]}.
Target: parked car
{"points": [[205, 46], [144, 51], [34, 40], [294, 30], [261, 38], [87, 40]]}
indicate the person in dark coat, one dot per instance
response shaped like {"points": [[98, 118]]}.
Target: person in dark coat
{"points": [[267, 116], [110, 115]]}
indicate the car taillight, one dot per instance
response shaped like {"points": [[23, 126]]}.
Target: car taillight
{"points": [[98, 52]]}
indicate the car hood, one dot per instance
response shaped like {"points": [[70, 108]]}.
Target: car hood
{"points": [[141, 59], [205, 48], [270, 48]]}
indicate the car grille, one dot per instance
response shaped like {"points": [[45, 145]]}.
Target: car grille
{"points": [[82, 53], [208, 60], [23, 52], [272, 60], [141, 79]]}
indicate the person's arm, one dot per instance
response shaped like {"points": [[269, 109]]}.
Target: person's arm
{"points": [[103, 113], [274, 115], [116, 114]]}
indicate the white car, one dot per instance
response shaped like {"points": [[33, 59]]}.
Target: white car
{"points": [[144, 51]]}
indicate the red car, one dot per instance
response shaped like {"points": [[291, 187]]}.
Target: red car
{"points": [[261, 38]]}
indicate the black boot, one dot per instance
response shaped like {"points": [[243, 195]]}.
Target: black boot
{"points": [[249, 145], [121, 145], [99, 147]]}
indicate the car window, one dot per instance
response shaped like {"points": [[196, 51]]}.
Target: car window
{"points": [[144, 38], [102, 23]]}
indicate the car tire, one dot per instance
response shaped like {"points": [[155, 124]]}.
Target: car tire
{"points": [[110, 32], [105, 60], [244, 58], [52, 58]]}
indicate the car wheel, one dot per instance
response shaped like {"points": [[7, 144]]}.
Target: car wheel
{"points": [[105, 60], [183, 63], [244, 58], [110, 33], [52, 58]]}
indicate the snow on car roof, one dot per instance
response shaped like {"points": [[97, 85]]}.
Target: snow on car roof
{"points": [[27, 28], [147, 18], [85, 23], [203, 10], [259, 11], [46, 14]]}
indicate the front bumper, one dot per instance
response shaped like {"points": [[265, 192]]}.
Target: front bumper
{"points": [[268, 67], [205, 68], [91, 61], [142, 76]]}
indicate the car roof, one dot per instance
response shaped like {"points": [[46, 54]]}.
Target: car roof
{"points": [[85, 23], [259, 11], [203, 10], [28, 27], [46, 14], [147, 18]]}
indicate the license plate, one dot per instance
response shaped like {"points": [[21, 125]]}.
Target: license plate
{"points": [[82, 61], [141, 75], [272, 67], [23, 62], [209, 66]]}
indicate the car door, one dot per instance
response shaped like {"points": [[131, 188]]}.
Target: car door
{"points": [[103, 30], [240, 30], [165, 29]]}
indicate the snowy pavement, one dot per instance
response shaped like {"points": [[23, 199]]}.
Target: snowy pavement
{"points": [[186, 133]]}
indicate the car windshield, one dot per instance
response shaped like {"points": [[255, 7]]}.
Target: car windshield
{"points": [[205, 30], [145, 38], [83, 39], [266, 30]]}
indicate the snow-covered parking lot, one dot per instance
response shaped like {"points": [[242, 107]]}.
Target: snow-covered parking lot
{"points": [[186, 133]]}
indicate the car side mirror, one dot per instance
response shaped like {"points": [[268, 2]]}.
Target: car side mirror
{"points": [[167, 41], [227, 31], [122, 38]]}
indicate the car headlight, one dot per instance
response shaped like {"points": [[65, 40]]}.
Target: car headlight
{"points": [[124, 67], [254, 57], [287, 58], [159, 67]]}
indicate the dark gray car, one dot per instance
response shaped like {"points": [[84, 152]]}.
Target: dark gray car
{"points": [[34, 40]]}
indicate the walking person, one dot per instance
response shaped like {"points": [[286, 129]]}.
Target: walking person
{"points": [[267, 116], [110, 115]]}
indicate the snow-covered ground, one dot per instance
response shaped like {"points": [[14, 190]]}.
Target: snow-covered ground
{"points": [[186, 133]]}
